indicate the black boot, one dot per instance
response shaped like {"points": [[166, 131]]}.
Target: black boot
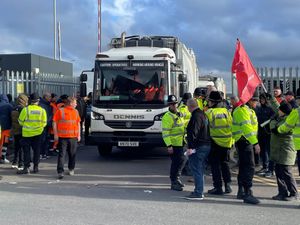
{"points": [[35, 169], [179, 182], [227, 188], [240, 193], [176, 186], [215, 191], [24, 171], [249, 198]]}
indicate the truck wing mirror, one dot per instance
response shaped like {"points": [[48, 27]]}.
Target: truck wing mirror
{"points": [[82, 89], [83, 77], [182, 77]]}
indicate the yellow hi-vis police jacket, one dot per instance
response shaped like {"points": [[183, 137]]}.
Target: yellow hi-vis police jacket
{"points": [[183, 109], [33, 119], [292, 122], [220, 124], [202, 103], [244, 124], [173, 129]]}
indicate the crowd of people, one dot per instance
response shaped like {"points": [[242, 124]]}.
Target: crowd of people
{"points": [[204, 129], [40, 127]]}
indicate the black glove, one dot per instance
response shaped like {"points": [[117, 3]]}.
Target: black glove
{"points": [[275, 130]]}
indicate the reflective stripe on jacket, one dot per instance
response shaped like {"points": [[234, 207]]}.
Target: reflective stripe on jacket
{"points": [[292, 123], [244, 124], [172, 129], [183, 109], [33, 119], [67, 120], [220, 123]]}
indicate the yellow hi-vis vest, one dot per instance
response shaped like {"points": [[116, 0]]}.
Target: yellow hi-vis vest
{"points": [[244, 124], [183, 109], [220, 123], [202, 103], [172, 129], [33, 119], [292, 122]]}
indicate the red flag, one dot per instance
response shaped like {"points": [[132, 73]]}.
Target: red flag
{"points": [[246, 75]]}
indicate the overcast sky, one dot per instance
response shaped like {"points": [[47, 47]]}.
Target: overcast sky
{"points": [[268, 29]]}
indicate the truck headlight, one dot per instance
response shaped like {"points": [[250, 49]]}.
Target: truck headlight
{"points": [[159, 117], [97, 116]]}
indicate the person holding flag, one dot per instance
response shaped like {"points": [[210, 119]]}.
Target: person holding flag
{"points": [[244, 129]]}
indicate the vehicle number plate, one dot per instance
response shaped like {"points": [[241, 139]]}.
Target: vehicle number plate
{"points": [[128, 143]]}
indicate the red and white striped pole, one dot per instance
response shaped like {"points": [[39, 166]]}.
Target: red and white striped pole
{"points": [[99, 25]]}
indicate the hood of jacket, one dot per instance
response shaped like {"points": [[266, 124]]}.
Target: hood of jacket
{"points": [[4, 98]]}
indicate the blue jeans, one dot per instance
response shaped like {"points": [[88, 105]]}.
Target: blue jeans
{"points": [[197, 163]]}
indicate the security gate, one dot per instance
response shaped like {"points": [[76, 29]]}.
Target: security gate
{"points": [[15, 83]]}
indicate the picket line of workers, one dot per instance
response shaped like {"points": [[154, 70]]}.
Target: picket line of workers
{"points": [[28, 127], [202, 128]]}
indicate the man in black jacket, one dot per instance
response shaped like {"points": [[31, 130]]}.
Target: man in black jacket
{"points": [[198, 144]]}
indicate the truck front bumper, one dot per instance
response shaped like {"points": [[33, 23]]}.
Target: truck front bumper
{"points": [[144, 139]]}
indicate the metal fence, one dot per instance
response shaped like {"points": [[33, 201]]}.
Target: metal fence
{"points": [[15, 83], [286, 78]]}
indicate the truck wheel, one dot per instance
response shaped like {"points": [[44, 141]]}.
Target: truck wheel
{"points": [[104, 150]]}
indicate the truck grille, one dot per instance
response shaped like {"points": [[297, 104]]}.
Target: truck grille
{"points": [[129, 124]]}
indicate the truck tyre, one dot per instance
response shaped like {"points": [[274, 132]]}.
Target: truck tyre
{"points": [[104, 150]]}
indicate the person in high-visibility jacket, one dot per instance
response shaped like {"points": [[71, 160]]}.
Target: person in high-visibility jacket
{"points": [[173, 136], [66, 127], [200, 95], [183, 109], [292, 123], [33, 119], [244, 131], [220, 123]]}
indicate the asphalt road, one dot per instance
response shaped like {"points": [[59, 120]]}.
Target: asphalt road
{"points": [[130, 187]]}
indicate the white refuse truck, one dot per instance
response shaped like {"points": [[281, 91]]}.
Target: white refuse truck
{"points": [[132, 81], [208, 80]]}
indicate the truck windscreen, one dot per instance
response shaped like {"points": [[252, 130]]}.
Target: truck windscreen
{"points": [[140, 83]]}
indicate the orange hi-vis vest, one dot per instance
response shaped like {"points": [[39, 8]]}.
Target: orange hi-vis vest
{"points": [[67, 122]]}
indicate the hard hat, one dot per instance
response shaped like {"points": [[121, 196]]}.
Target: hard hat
{"points": [[172, 99], [215, 96]]}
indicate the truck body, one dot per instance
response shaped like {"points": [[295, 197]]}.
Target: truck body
{"points": [[132, 81], [218, 83]]}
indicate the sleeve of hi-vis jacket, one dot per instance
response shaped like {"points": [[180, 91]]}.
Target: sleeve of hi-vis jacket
{"points": [[167, 124], [244, 120], [44, 118], [22, 116], [289, 123]]}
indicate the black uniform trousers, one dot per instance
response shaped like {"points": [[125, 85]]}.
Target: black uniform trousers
{"points": [[219, 161], [66, 146], [18, 151], [177, 163], [285, 180], [246, 163], [31, 142]]}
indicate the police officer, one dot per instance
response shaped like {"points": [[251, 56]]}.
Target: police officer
{"points": [[172, 133], [200, 95], [220, 123], [183, 109], [33, 119], [244, 131]]}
